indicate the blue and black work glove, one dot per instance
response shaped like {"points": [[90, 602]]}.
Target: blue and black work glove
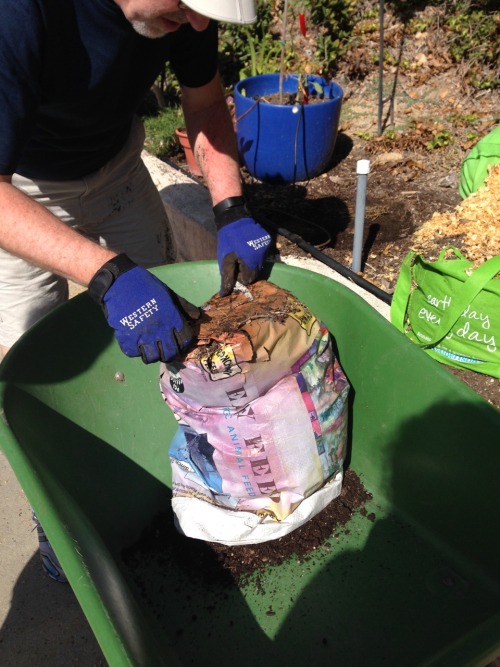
{"points": [[242, 244], [149, 320]]}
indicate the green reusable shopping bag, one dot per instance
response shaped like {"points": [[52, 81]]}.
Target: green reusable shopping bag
{"points": [[475, 166], [451, 310]]}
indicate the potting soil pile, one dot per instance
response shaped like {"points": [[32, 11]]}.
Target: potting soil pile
{"points": [[261, 402]]}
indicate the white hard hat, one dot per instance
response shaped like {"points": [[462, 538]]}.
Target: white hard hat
{"points": [[232, 11]]}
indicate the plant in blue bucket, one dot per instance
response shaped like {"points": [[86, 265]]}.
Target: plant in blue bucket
{"points": [[287, 124]]}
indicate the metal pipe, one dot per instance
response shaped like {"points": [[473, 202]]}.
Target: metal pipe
{"points": [[362, 171], [380, 67]]}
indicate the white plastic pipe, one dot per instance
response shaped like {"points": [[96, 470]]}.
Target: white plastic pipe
{"points": [[362, 170]]}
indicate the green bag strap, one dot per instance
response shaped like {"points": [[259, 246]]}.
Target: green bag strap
{"points": [[402, 291], [455, 251], [479, 278]]}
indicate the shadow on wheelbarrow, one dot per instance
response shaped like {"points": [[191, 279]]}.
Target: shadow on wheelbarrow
{"points": [[88, 436]]}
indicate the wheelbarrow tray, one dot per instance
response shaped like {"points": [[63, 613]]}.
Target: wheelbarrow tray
{"points": [[87, 433]]}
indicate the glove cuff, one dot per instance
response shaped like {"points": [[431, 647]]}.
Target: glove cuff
{"points": [[229, 210], [107, 274]]}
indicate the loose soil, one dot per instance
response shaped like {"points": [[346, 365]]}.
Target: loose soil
{"points": [[413, 174], [289, 99], [219, 565], [224, 317]]}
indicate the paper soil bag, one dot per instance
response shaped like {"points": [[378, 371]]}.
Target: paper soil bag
{"points": [[261, 402]]}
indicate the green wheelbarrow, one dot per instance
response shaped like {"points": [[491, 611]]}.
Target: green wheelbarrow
{"points": [[86, 432]]}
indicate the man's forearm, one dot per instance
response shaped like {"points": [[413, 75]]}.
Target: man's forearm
{"points": [[212, 136], [30, 231]]}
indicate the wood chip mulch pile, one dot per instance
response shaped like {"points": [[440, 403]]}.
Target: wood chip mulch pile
{"points": [[473, 226]]}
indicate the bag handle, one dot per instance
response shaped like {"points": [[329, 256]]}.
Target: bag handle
{"points": [[402, 291], [455, 251], [479, 278]]}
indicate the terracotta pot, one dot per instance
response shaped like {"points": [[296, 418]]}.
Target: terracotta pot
{"points": [[188, 152]]}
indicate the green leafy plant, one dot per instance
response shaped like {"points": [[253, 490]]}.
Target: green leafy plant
{"points": [[245, 50], [470, 30], [476, 35], [160, 131], [366, 136], [298, 37], [471, 136], [329, 30], [264, 55], [333, 22], [466, 120], [440, 139]]}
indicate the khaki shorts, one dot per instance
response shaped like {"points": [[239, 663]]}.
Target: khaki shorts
{"points": [[118, 206]]}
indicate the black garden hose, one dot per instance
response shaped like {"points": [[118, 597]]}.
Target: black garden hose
{"points": [[328, 261]]}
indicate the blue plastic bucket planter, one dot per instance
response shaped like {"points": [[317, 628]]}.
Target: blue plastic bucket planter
{"points": [[281, 143]]}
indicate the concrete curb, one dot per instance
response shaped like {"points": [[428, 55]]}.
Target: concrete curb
{"points": [[189, 209]]}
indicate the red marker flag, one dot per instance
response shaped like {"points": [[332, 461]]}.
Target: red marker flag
{"points": [[302, 21]]}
